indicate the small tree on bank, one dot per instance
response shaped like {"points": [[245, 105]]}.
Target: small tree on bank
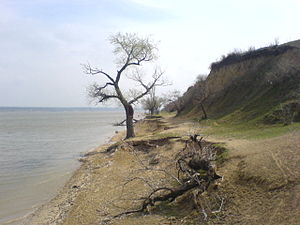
{"points": [[175, 100], [152, 103], [202, 93], [131, 51]]}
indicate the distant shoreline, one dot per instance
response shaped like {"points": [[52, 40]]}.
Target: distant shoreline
{"points": [[51, 109]]}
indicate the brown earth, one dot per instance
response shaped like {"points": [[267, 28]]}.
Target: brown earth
{"points": [[260, 185], [262, 180]]}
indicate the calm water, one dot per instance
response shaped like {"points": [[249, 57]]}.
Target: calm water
{"points": [[39, 149]]}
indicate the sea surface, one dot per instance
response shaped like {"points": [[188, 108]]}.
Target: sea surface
{"points": [[39, 150]]}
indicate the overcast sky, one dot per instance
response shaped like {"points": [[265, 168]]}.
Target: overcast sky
{"points": [[44, 42]]}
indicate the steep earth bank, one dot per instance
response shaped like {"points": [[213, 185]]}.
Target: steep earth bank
{"points": [[261, 85]]}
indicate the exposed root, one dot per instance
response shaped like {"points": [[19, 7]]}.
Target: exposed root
{"points": [[195, 169], [151, 199]]}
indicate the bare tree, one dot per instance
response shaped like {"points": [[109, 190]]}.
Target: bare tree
{"points": [[131, 51], [175, 100], [202, 93], [152, 103]]}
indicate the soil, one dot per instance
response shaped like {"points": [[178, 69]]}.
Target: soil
{"points": [[262, 180], [260, 184]]}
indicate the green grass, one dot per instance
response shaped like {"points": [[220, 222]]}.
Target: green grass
{"points": [[163, 135], [166, 114], [222, 153], [246, 130]]}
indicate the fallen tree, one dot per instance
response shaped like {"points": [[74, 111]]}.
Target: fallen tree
{"points": [[194, 168]]}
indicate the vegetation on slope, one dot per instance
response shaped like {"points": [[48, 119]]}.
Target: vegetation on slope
{"points": [[259, 87]]}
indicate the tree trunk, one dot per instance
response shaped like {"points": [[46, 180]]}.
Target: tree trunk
{"points": [[151, 112], [203, 110], [129, 121]]}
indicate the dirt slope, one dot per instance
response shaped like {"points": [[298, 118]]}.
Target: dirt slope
{"points": [[262, 181], [252, 85]]}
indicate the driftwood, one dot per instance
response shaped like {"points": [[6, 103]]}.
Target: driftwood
{"points": [[195, 170], [123, 123], [150, 200], [110, 149]]}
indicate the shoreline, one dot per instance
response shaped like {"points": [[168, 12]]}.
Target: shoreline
{"points": [[92, 183], [55, 209], [96, 191], [87, 197], [40, 153]]}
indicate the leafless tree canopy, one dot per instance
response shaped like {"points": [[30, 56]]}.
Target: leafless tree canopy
{"points": [[153, 103], [131, 51], [175, 100], [195, 95]]}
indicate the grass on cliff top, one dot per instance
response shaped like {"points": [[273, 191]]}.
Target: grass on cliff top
{"points": [[246, 130]]}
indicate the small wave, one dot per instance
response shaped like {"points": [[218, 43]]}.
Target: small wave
{"points": [[54, 178], [18, 220]]}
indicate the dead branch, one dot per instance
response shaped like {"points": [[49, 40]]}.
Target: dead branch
{"points": [[193, 163], [171, 196], [123, 122], [157, 81]]}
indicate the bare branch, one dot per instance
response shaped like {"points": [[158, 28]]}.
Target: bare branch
{"points": [[98, 92], [220, 207], [198, 174], [93, 71], [157, 81], [132, 50], [107, 84]]}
